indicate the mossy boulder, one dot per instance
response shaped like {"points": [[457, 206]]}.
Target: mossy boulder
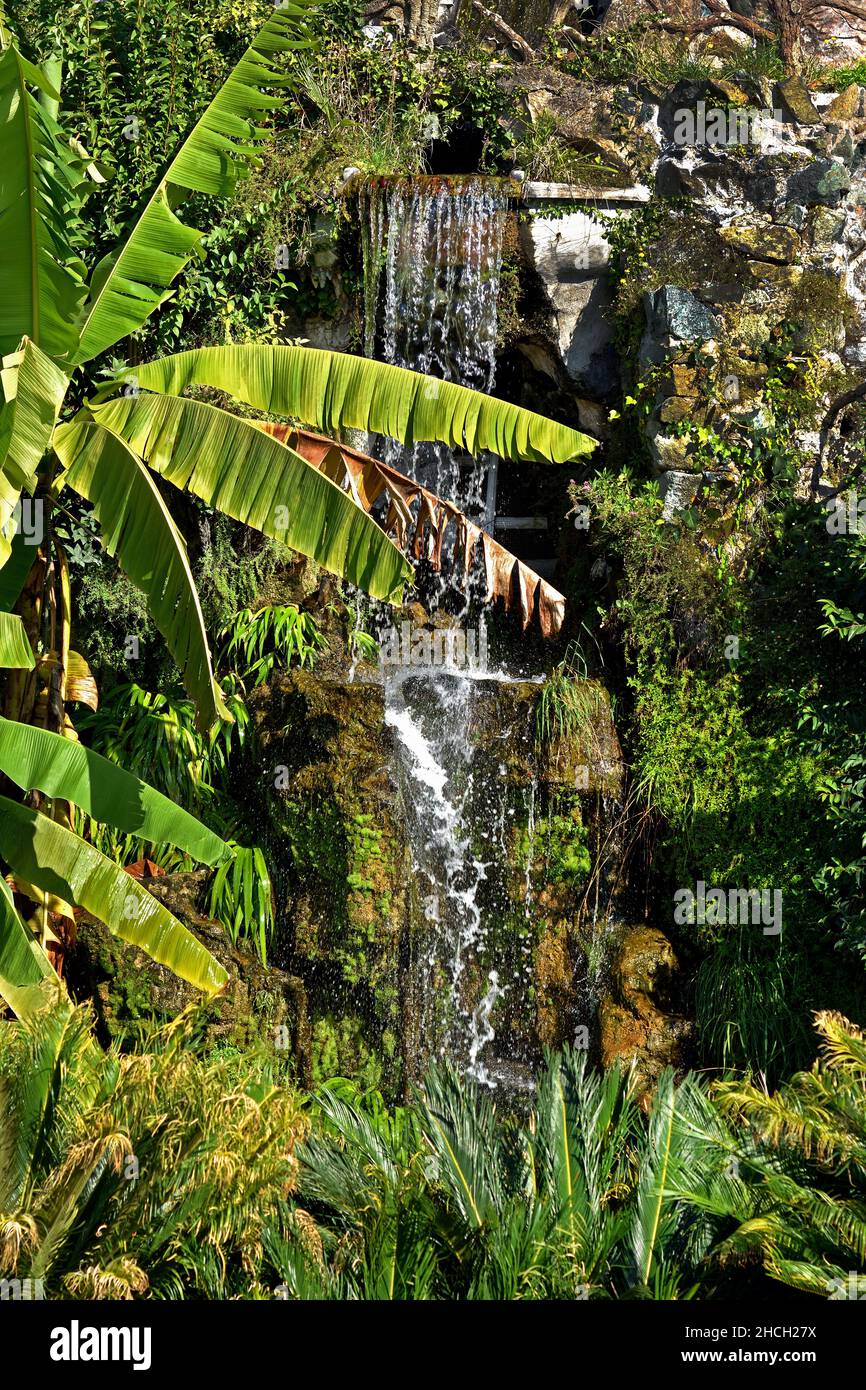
{"points": [[638, 1015], [764, 243], [821, 181], [343, 859], [795, 95], [847, 106], [673, 312], [259, 1007]]}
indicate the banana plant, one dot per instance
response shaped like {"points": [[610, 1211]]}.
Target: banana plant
{"points": [[56, 316]]}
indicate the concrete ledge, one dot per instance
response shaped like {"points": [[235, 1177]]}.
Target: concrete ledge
{"points": [[578, 193]]}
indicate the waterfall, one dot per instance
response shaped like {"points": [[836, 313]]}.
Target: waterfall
{"points": [[430, 716], [432, 255], [437, 245]]}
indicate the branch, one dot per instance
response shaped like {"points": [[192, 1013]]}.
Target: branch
{"points": [[856, 393], [513, 37], [717, 19], [836, 407], [574, 35], [836, 6]]}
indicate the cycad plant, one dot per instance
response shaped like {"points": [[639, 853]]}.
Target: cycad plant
{"points": [[807, 1164], [55, 318], [449, 1199]]}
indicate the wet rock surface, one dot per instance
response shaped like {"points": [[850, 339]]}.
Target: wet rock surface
{"points": [[638, 1018]]}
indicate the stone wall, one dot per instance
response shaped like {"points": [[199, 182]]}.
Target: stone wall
{"points": [[777, 236]]}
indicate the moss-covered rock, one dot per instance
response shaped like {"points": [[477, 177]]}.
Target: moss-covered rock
{"points": [[343, 856], [795, 95], [638, 1013], [765, 243], [261, 1007]]}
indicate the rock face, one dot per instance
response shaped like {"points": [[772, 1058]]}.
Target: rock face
{"points": [[678, 315], [360, 939], [638, 1018], [343, 867], [771, 187], [348, 991], [263, 1007], [570, 256]]}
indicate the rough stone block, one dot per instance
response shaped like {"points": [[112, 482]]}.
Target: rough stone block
{"points": [[677, 313]]}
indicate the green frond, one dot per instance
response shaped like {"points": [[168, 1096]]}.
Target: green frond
{"points": [[333, 390], [238, 469], [844, 1044]]}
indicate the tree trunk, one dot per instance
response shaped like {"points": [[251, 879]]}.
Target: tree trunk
{"points": [[789, 22]]}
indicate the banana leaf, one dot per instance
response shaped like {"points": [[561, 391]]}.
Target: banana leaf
{"points": [[238, 469], [36, 759], [33, 391], [15, 650], [424, 531], [24, 966], [133, 280], [137, 527], [333, 390], [13, 574], [41, 277], [60, 863]]}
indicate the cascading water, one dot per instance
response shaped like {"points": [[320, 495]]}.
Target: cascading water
{"points": [[432, 252], [458, 824], [437, 246]]}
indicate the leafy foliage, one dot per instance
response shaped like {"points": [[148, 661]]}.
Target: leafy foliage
{"points": [[450, 1200], [241, 897], [276, 635], [724, 751], [145, 1174]]}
